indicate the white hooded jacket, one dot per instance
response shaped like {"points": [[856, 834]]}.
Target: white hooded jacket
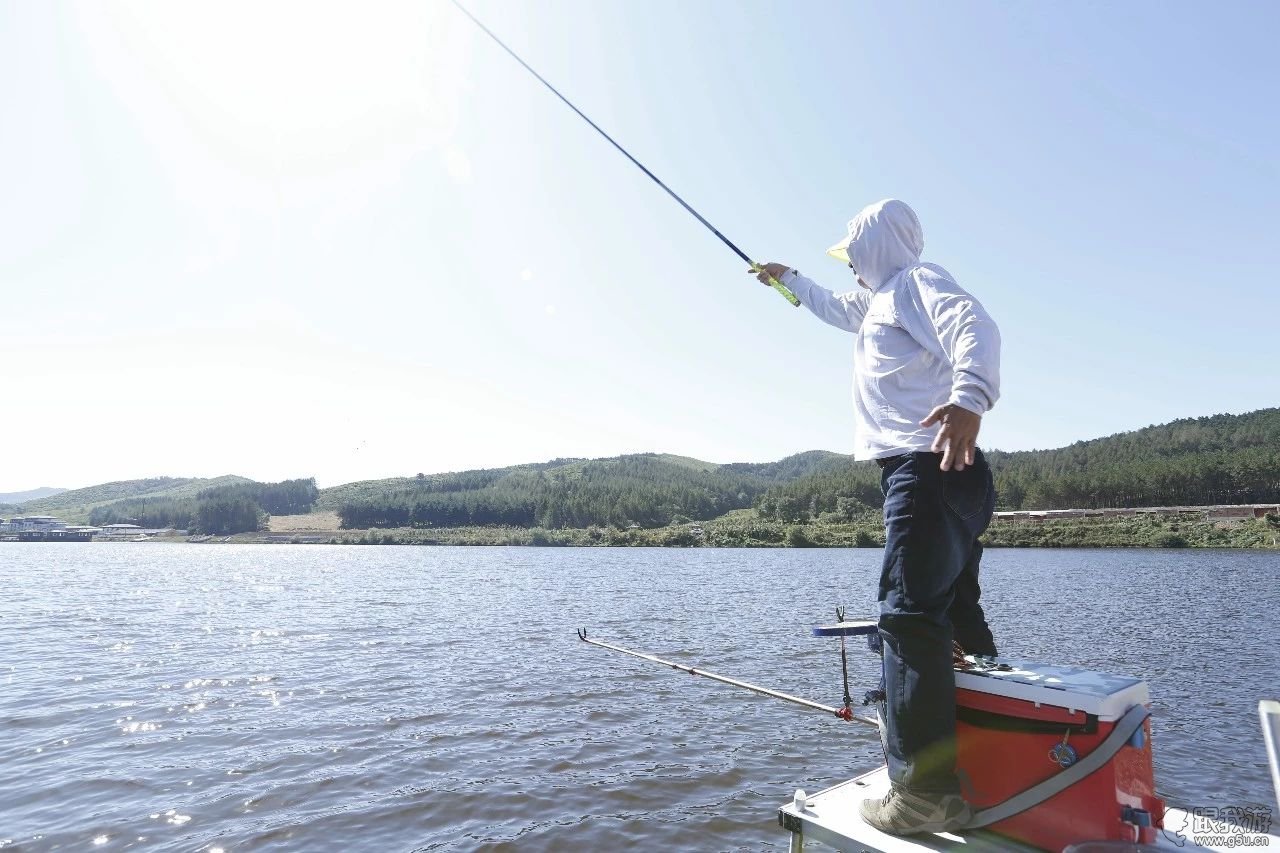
{"points": [[922, 340]]}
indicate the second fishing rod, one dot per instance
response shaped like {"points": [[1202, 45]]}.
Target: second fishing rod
{"points": [[773, 282], [844, 712]]}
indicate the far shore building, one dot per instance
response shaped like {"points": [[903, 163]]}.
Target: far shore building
{"points": [[32, 524], [121, 529], [44, 528]]}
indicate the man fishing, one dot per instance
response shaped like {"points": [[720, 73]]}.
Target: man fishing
{"points": [[926, 368]]}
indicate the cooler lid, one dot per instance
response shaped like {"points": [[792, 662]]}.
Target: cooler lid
{"points": [[1106, 695]]}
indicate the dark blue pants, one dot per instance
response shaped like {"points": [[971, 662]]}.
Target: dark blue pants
{"points": [[928, 596]]}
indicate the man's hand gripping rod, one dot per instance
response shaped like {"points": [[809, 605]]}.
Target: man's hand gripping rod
{"points": [[842, 713]]}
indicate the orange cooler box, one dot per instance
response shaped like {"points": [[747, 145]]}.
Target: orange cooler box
{"points": [[1009, 730]]}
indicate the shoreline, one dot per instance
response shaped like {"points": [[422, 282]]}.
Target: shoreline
{"points": [[743, 529]]}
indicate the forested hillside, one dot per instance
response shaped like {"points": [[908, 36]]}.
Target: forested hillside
{"points": [[646, 489], [1222, 459], [1197, 461], [221, 510]]}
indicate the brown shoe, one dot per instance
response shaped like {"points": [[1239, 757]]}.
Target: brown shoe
{"points": [[903, 812]]}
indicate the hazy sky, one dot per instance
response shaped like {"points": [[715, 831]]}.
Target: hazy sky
{"points": [[357, 240]]}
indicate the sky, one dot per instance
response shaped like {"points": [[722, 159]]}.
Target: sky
{"points": [[354, 241]]}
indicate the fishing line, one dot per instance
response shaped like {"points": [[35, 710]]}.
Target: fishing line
{"points": [[773, 282]]}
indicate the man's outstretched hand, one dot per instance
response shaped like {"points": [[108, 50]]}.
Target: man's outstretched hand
{"points": [[957, 438], [769, 269]]}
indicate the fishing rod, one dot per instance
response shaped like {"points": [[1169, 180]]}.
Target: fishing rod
{"points": [[845, 713], [773, 282]]}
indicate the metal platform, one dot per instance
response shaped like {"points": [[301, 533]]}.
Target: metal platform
{"points": [[831, 817]]}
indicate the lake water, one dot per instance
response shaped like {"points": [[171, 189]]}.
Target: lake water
{"points": [[188, 697]]}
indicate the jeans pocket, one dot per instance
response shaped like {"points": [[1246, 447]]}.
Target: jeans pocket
{"points": [[965, 492]]}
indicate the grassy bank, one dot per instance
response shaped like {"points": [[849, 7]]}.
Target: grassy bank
{"points": [[744, 528], [1135, 532]]}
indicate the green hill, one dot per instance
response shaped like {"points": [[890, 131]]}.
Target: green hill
{"points": [[1194, 461]]}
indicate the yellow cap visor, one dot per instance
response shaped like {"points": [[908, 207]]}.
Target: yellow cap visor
{"points": [[840, 251]]}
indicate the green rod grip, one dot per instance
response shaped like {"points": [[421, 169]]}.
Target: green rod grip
{"points": [[778, 286], [786, 294]]}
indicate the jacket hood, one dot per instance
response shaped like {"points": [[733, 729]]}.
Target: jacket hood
{"points": [[884, 239]]}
